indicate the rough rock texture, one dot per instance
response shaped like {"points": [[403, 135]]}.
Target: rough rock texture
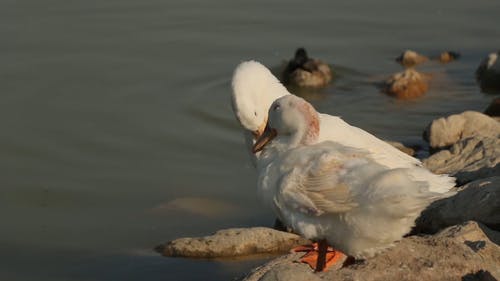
{"points": [[469, 159], [446, 131], [478, 201], [233, 242], [408, 84], [456, 253]]}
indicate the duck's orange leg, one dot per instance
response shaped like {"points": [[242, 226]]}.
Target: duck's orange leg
{"points": [[319, 256]]}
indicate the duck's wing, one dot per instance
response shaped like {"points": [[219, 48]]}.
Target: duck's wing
{"points": [[335, 129], [338, 179], [314, 184]]}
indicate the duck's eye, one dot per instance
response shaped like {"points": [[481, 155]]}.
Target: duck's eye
{"points": [[255, 113], [276, 107]]}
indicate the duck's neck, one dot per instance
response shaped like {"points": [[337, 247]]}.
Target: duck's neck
{"points": [[307, 133]]}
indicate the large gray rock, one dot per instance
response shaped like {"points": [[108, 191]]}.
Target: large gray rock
{"points": [[478, 201], [469, 159], [446, 131], [233, 242], [461, 252]]}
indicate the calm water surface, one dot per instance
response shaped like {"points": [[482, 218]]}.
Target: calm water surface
{"points": [[117, 132]]}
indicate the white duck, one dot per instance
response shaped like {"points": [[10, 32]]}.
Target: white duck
{"points": [[254, 90], [330, 192]]}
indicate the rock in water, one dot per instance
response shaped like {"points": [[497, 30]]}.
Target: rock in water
{"points": [[233, 242], [411, 58], [446, 131], [448, 56], [408, 84]]}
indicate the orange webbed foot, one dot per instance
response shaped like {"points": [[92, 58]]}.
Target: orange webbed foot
{"points": [[313, 256]]}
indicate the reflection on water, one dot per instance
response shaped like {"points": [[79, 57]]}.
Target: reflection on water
{"points": [[118, 135], [197, 206]]}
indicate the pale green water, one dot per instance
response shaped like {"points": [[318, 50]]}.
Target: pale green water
{"points": [[110, 109]]}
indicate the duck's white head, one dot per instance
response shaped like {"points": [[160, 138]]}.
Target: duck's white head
{"points": [[492, 59], [254, 90], [294, 120]]}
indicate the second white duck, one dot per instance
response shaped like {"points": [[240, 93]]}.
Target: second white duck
{"points": [[330, 192]]}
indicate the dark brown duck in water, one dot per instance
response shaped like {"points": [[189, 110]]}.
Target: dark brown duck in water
{"points": [[303, 71]]}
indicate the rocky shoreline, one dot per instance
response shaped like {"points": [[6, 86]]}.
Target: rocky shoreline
{"points": [[457, 238]]}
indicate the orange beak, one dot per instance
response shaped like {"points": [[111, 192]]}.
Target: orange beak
{"points": [[268, 135], [257, 133]]}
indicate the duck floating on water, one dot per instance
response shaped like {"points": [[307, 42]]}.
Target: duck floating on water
{"points": [[488, 73], [303, 71], [332, 193]]}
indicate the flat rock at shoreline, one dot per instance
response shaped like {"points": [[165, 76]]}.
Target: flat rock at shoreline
{"points": [[468, 251], [456, 238], [233, 242]]}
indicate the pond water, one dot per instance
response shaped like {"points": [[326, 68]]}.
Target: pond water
{"points": [[117, 132]]}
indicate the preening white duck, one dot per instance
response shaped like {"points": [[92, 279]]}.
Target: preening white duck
{"points": [[329, 192], [255, 88]]}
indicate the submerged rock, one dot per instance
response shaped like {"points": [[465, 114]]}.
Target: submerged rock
{"points": [[448, 56], [233, 242], [206, 207], [469, 159], [478, 200], [411, 58], [408, 84], [460, 251], [446, 131]]}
